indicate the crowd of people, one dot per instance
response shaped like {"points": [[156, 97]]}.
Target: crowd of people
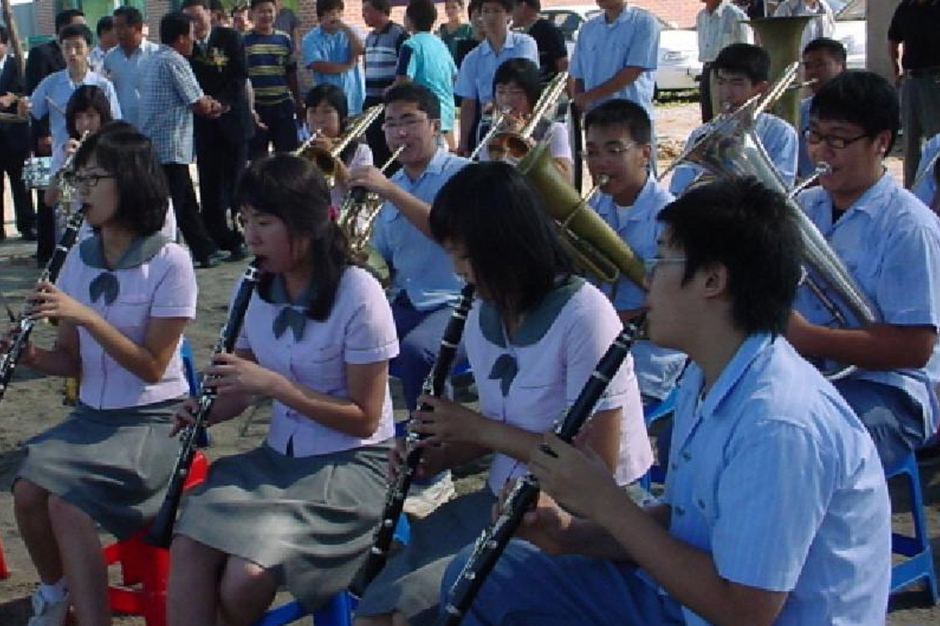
{"points": [[743, 327]]}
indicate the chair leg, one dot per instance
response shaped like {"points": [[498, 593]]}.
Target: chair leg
{"points": [[919, 564]]}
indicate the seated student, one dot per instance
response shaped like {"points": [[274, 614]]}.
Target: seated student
{"points": [[890, 243], [534, 337], [516, 87], [301, 508], [327, 117], [775, 510], [122, 301], [823, 59], [926, 179], [742, 72], [617, 145]]}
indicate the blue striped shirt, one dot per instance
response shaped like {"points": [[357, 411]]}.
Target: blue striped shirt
{"points": [[270, 58], [381, 57]]}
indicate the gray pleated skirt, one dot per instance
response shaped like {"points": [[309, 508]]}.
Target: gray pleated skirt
{"points": [[113, 464], [411, 580], [308, 521]]}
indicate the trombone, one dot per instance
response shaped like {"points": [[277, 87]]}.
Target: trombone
{"points": [[329, 161]]}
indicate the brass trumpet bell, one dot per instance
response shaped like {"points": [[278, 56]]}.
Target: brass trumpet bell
{"points": [[328, 161]]}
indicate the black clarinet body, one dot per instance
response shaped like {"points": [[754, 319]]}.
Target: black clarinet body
{"points": [[25, 324], [398, 492], [491, 543], [160, 533]]}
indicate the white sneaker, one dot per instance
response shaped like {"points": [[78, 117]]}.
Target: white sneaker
{"points": [[423, 499], [47, 613]]}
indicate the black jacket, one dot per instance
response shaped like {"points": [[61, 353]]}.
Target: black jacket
{"points": [[222, 69], [14, 136]]}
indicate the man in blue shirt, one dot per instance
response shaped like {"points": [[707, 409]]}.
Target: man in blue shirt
{"points": [[332, 51], [122, 62], [890, 244], [742, 71], [823, 59], [741, 535]]}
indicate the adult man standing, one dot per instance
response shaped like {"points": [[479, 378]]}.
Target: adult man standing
{"points": [[219, 63], [382, 46], [14, 144], [553, 54], [718, 24], [169, 94], [107, 39], [122, 62], [823, 23], [915, 25]]}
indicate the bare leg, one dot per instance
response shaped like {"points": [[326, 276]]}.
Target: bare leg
{"points": [[246, 591], [193, 587], [31, 505], [82, 561]]}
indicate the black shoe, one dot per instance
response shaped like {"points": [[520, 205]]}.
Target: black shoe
{"points": [[929, 456], [212, 260], [28, 234], [238, 253]]}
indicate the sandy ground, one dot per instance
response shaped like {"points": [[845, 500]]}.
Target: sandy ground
{"points": [[34, 404]]}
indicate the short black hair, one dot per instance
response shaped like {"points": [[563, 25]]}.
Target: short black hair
{"points": [[833, 48], [535, 4], [132, 15], [84, 98], [744, 58], [4, 34], [238, 8], [105, 23], [416, 93], [524, 73], [143, 194], [216, 6], [325, 6], [515, 252], [255, 4], [422, 14], [860, 97], [293, 190], [474, 5], [334, 96], [76, 30], [64, 18], [509, 5], [742, 224], [380, 5], [619, 112], [194, 3], [174, 25]]}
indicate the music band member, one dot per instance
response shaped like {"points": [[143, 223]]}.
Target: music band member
{"points": [[122, 301], [739, 536], [890, 243], [742, 71], [533, 338], [823, 59], [618, 145], [318, 334]]}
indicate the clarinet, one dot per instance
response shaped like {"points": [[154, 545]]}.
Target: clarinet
{"points": [[398, 491], [491, 543], [160, 533], [24, 324]]}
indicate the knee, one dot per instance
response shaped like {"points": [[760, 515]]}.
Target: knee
{"points": [[245, 585], [29, 497]]}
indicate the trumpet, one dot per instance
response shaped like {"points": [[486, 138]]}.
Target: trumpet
{"points": [[360, 209], [512, 146], [329, 161], [497, 121]]}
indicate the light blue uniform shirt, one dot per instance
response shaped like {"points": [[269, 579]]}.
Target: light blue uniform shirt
{"points": [[123, 71], [430, 64], [805, 167], [656, 368], [778, 138], [604, 49], [926, 189], [423, 269], [318, 45], [775, 477], [890, 242], [475, 79], [58, 87]]}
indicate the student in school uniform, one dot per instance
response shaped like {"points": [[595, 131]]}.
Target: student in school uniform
{"points": [[122, 301], [300, 509], [534, 337]]}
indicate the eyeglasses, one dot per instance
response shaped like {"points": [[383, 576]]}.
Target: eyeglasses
{"points": [[404, 124], [833, 141], [612, 151], [651, 264], [89, 180]]}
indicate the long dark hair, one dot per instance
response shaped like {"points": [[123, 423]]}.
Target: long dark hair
{"points": [[293, 190], [498, 216], [333, 96]]}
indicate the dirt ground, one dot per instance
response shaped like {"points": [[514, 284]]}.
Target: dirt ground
{"points": [[34, 404]]}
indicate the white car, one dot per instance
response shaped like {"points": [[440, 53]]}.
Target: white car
{"points": [[850, 30], [678, 47]]}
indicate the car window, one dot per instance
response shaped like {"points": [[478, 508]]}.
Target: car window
{"points": [[853, 10]]}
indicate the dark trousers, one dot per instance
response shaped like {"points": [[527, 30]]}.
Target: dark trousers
{"points": [[11, 163], [188, 218], [220, 161], [705, 93], [281, 129], [375, 137]]}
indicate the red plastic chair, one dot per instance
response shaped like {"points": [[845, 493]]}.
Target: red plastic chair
{"points": [[4, 572]]}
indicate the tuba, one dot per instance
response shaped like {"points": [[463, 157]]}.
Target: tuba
{"points": [[328, 161], [513, 146], [730, 147], [781, 37], [596, 247]]}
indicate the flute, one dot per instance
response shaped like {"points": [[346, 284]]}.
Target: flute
{"points": [[492, 541], [398, 492], [160, 533]]}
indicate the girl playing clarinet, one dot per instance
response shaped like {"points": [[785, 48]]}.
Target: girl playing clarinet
{"points": [[533, 339], [318, 334], [121, 300]]}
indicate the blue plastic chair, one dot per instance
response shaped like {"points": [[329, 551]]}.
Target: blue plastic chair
{"points": [[189, 367], [919, 564], [651, 414]]}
